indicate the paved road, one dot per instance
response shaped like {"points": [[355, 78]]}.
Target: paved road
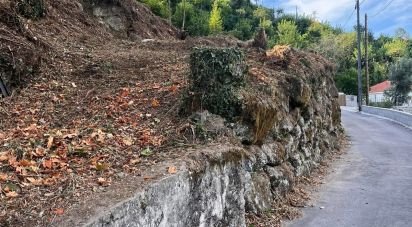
{"points": [[371, 186]]}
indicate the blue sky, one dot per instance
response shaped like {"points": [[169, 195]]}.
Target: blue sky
{"points": [[397, 14]]}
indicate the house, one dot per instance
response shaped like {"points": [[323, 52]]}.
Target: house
{"points": [[377, 92]]}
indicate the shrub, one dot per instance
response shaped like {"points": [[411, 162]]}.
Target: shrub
{"points": [[32, 9], [216, 76]]}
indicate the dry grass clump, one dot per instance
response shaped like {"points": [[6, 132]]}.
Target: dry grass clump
{"points": [[263, 114], [280, 52]]}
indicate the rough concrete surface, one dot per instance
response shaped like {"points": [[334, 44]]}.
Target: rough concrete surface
{"points": [[396, 115], [372, 184]]}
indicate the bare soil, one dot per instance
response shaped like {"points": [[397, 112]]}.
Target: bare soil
{"points": [[91, 107]]}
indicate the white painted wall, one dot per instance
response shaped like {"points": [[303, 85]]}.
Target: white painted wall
{"points": [[377, 97]]}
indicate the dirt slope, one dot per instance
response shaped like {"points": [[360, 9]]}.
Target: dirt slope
{"points": [[93, 102], [30, 43], [85, 101]]}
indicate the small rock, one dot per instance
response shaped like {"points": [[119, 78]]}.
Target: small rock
{"points": [[120, 175], [321, 208], [147, 40]]}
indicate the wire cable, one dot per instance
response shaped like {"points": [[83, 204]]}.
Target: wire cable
{"points": [[351, 15], [346, 22], [383, 9]]}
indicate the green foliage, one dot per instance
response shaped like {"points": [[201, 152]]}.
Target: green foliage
{"points": [[401, 33], [158, 7], [243, 29], [401, 78], [216, 76], [32, 9], [384, 104], [243, 18], [347, 81], [396, 48], [198, 25], [215, 20], [184, 10], [288, 34], [408, 51]]}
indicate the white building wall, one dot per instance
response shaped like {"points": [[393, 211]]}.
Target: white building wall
{"points": [[377, 97]]}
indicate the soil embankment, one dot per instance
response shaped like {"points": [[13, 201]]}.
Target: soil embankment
{"points": [[94, 121]]}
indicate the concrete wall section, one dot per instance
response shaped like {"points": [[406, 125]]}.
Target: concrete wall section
{"points": [[398, 116]]}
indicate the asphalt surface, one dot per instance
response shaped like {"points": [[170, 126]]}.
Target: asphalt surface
{"points": [[371, 185]]}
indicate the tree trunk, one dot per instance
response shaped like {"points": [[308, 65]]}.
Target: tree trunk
{"points": [[184, 15]]}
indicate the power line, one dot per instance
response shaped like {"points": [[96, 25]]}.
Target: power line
{"points": [[383, 9], [351, 15], [346, 22]]}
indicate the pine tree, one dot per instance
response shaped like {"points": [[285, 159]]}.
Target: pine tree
{"points": [[215, 21]]}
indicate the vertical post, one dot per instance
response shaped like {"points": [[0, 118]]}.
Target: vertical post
{"points": [[184, 15], [296, 22], [170, 11], [359, 59], [366, 59], [296, 15], [4, 91]]}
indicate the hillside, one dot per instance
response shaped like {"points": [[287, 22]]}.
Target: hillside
{"points": [[97, 87], [87, 99]]}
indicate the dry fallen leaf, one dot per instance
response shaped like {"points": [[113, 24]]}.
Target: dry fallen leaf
{"points": [[12, 194], [173, 88], [39, 152], [48, 164], [148, 177], [70, 136], [25, 163], [58, 211], [102, 166], [134, 161], [50, 142], [4, 156], [155, 103], [3, 177], [103, 181], [172, 169], [34, 181], [127, 141]]}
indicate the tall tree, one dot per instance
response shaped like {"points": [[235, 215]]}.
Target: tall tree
{"points": [[401, 78], [288, 34], [215, 21]]}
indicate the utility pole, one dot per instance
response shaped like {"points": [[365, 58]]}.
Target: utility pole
{"points": [[366, 59], [184, 15], [296, 15], [170, 11], [359, 59]]}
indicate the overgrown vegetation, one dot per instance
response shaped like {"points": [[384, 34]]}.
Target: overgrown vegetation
{"points": [[401, 78], [242, 19], [384, 104], [216, 76], [32, 9]]}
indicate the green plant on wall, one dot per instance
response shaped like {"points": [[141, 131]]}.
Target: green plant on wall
{"points": [[215, 21]]}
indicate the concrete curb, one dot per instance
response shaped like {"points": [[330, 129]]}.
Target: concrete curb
{"points": [[399, 117]]}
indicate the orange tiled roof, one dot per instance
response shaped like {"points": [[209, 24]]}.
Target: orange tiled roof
{"points": [[381, 87]]}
